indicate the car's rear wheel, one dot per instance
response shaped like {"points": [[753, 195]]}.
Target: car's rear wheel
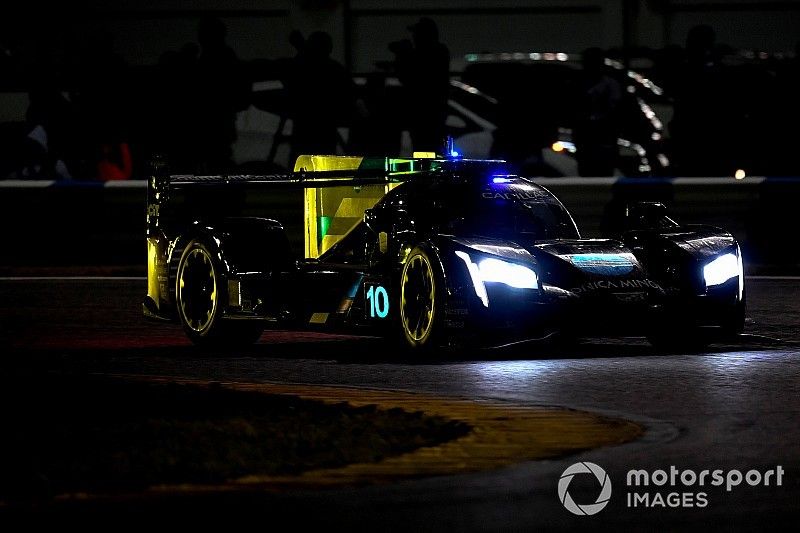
{"points": [[421, 300], [200, 293]]}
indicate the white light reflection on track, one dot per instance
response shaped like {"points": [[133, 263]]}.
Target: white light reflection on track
{"points": [[735, 381], [743, 363], [515, 373]]}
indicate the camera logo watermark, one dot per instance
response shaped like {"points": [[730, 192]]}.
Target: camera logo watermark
{"points": [[590, 508]]}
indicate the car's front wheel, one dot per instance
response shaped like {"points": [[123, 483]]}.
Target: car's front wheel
{"points": [[200, 293], [733, 321], [422, 300]]}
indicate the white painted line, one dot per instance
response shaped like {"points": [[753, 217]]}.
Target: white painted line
{"points": [[126, 184], [721, 180], [26, 184], [43, 184], [73, 278]]}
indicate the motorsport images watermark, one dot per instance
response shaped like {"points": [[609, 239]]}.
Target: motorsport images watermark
{"points": [[672, 488]]}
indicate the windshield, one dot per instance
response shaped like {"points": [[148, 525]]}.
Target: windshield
{"points": [[514, 209], [512, 219]]}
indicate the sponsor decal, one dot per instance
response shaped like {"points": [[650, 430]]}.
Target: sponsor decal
{"points": [[521, 195], [631, 297], [607, 284]]}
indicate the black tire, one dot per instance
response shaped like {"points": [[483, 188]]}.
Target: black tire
{"points": [[733, 322], [422, 301], [688, 337], [200, 293]]}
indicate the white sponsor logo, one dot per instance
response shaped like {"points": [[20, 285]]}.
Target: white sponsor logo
{"points": [[604, 284]]}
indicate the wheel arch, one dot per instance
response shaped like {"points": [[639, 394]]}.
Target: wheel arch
{"points": [[243, 244], [435, 247]]}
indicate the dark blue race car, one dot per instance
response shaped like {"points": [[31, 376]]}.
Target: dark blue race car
{"points": [[430, 251]]}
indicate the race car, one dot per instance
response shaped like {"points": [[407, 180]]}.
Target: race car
{"points": [[428, 251]]}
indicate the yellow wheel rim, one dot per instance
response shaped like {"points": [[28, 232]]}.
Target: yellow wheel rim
{"points": [[197, 290], [417, 298]]}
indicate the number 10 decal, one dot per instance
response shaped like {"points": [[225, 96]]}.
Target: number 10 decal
{"points": [[378, 301]]}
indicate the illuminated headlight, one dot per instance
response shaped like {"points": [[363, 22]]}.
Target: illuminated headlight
{"points": [[513, 275], [722, 269], [491, 270]]}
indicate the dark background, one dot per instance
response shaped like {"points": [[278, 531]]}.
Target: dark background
{"points": [[108, 76], [113, 64], [362, 28]]}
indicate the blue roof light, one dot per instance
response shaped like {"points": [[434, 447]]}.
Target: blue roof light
{"points": [[501, 179], [450, 149]]}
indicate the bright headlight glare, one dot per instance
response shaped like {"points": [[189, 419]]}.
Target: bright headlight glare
{"points": [[722, 269], [741, 272], [513, 275], [492, 270], [475, 276]]}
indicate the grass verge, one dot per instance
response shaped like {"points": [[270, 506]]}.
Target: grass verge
{"points": [[99, 434]]}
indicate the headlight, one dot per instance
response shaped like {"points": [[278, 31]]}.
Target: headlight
{"points": [[511, 274], [722, 269], [493, 270]]}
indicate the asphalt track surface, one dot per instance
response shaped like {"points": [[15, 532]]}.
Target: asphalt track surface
{"points": [[728, 407]]}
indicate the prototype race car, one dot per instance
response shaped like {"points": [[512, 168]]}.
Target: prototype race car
{"points": [[432, 251]]}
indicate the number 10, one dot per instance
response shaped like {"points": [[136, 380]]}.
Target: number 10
{"points": [[378, 302]]}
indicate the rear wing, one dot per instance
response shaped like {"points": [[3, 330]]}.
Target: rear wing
{"points": [[337, 191]]}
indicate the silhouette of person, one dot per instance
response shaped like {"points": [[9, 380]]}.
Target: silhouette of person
{"points": [[423, 67], [51, 146], [597, 125], [176, 123], [696, 127], [103, 100], [320, 94], [375, 131], [222, 90], [525, 126]]}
